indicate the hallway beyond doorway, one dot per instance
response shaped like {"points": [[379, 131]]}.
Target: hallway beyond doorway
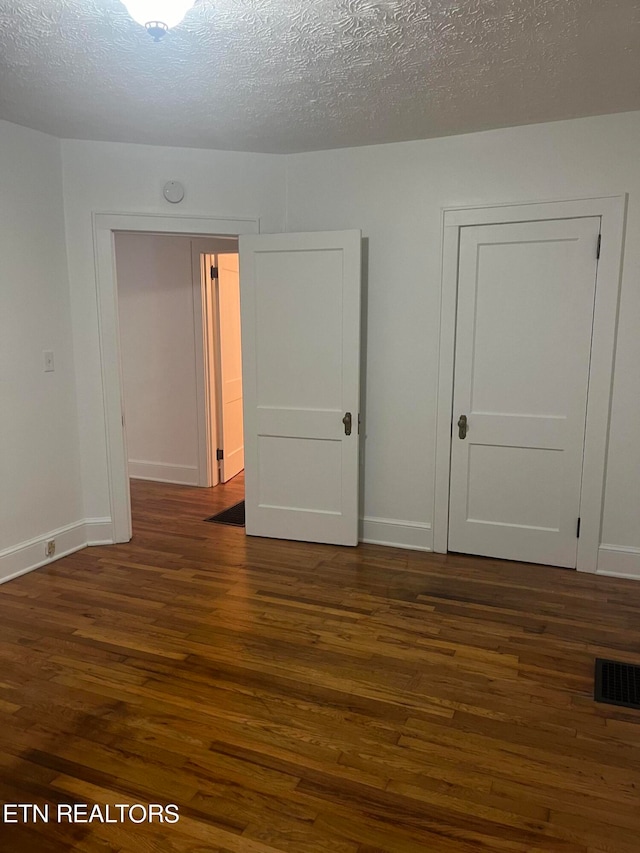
{"points": [[171, 509]]}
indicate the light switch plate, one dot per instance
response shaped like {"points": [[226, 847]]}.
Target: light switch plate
{"points": [[49, 366]]}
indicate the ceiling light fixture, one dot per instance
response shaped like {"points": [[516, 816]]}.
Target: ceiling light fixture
{"points": [[158, 16]]}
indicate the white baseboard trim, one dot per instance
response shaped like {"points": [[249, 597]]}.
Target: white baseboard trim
{"points": [[397, 533], [164, 472], [618, 561], [30, 555], [98, 531]]}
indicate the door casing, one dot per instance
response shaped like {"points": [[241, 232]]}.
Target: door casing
{"points": [[104, 226], [612, 210]]}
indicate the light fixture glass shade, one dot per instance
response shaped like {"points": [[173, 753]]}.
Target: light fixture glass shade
{"points": [[167, 12]]}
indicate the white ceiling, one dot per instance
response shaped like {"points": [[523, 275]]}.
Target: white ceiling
{"points": [[299, 75]]}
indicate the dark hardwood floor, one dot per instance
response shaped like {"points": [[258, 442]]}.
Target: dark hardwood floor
{"points": [[306, 698]]}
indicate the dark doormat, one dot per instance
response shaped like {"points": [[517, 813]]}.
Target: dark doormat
{"points": [[617, 683], [234, 515]]}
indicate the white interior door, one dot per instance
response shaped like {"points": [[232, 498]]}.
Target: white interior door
{"points": [[523, 339], [230, 428], [301, 366]]}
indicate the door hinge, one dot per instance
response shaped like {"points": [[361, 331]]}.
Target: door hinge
{"points": [[578, 529], [214, 272], [359, 422], [598, 246], [219, 455]]}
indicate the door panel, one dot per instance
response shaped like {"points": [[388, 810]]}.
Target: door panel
{"points": [[299, 285], [523, 339], [301, 367], [230, 364]]}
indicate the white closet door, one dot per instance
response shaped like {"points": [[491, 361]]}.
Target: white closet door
{"points": [[523, 339], [300, 305]]}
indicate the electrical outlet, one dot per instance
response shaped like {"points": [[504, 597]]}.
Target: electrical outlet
{"points": [[50, 548]]}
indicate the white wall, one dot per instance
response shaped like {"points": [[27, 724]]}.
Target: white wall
{"points": [[157, 345], [39, 470], [120, 178], [395, 193]]}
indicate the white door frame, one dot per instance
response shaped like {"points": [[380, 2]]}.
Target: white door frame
{"points": [[104, 226], [204, 336], [612, 210], [205, 367]]}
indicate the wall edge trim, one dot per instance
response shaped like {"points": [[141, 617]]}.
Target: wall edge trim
{"points": [[618, 561], [29, 555], [164, 472], [396, 533]]}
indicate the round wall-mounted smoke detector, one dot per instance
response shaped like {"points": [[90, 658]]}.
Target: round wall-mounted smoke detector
{"points": [[173, 191]]}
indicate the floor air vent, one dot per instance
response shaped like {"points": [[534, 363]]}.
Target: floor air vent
{"points": [[617, 683]]}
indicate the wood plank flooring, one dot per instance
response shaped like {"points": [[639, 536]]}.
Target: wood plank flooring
{"points": [[304, 698]]}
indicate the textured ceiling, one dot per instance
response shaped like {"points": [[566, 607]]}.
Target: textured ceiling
{"points": [[298, 75]]}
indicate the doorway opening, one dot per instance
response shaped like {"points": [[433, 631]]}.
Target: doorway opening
{"points": [[301, 324], [105, 227], [220, 278], [180, 344]]}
